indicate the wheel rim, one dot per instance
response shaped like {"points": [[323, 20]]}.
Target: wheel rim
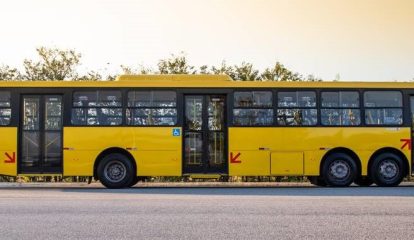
{"points": [[115, 171], [339, 169], [388, 169]]}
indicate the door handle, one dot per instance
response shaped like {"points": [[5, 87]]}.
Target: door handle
{"points": [[264, 148]]}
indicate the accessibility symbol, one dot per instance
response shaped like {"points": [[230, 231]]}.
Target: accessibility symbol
{"points": [[176, 132]]}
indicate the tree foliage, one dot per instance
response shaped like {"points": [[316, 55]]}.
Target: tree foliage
{"points": [[8, 73], [176, 64], [53, 64]]}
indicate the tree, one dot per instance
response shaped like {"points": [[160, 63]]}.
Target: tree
{"points": [[91, 76], [54, 64], [245, 72], [140, 70], [176, 64], [312, 78], [7, 73], [280, 73], [224, 69]]}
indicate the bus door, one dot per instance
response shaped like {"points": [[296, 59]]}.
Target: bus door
{"points": [[40, 134], [205, 134]]}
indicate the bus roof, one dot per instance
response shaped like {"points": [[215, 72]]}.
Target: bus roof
{"points": [[200, 81]]}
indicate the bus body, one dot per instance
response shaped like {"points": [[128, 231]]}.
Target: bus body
{"points": [[119, 131]]}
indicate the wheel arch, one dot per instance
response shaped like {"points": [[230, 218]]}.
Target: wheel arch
{"points": [[110, 151], [344, 150], [389, 150]]}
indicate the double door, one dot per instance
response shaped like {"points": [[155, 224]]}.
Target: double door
{"points": [[205, 134], [41, 134]]}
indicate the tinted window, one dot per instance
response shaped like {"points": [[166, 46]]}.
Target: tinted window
{"points": [[296, 99], [297, 108], [253, 99], [253, 108], [383, 108], [152, 99], [97, 108], [383, 99], [340, 99], [97, 98], [148, 108], [340, 108], [297, 117], [5, 109]]}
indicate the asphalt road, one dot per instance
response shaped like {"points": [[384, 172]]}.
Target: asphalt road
{"points": [[207, 213]]}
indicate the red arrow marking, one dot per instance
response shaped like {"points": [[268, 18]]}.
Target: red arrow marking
{"points": [[407, 143], [10, 159], [233, 159]]}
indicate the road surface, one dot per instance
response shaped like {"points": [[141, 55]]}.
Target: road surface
{"points": [[300, 212]]}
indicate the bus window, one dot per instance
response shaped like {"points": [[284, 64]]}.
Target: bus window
{"points": [[383, 107], [97, 108], [152, 108], [5, 109], [297, 108], [340, 109], [253, 108]]}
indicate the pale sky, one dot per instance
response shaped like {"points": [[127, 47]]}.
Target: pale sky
{"points": [[362, 40]]}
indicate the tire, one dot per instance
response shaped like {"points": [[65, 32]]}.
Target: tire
{"points": [[363, 181], [318, 181], [387, 170], [339, 170], [116, 171], [134, 181]]}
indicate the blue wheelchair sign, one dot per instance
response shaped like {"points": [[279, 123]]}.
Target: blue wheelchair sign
{"points": [[176, 132]]}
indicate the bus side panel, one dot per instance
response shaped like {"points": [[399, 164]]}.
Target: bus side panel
{"points": [[155, 149], [158, 163], [313, 142], [8, 151]]}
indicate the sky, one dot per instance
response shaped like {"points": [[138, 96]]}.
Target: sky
{"points": [[359, 40]]}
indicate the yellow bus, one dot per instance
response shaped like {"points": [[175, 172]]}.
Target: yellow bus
{"points": [[118, 132]]}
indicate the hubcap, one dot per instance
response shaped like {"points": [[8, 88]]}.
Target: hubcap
{"points": [[115, 171], [339, 169], [388, 169]]}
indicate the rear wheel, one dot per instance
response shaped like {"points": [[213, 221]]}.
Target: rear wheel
{"points": [[116, 171], [339, 170], [387, 170], [363, 181]]}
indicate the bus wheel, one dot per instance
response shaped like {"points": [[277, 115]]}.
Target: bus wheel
{"points": [[318, 181], [339, 170], [134, 181], [387, 170], [363, 181], [116, 171]]}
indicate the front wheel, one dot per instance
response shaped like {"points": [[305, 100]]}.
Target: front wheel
{"points": [[339, 170], [116, 171], [387, 170]]}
